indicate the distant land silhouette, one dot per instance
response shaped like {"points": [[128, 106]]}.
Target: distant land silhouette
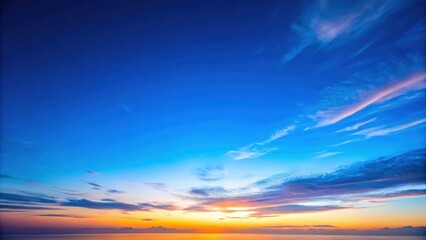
{"points": [[401, 231]]}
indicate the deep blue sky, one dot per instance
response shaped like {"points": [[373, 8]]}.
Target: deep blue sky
{"points": [[235, 91]]}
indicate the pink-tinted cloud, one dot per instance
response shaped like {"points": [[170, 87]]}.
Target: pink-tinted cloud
{"points": [[331, 116], [382, 178], [325, 22]]}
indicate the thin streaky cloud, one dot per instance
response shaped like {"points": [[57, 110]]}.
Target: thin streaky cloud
{"points": [[279, 134], [357, 125], [12, 197], [125, 107], [24, 207], [362, 49], [114, 191], [327, 154], [373, 132], [94, 184], [343, 143], [253, 150], [332, 116], [295, 51], [246, 152], [317, 28]]}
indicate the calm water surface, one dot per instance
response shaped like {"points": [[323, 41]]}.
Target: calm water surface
{"points": [[202, 237]]}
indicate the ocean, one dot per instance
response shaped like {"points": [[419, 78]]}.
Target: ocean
{"points": [[203, 237]]}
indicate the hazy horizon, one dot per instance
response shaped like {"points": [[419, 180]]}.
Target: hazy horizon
{"points": [[207, 237], [217, 116]]}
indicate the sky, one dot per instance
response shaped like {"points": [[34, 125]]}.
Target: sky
{"points": [[213, 116]]}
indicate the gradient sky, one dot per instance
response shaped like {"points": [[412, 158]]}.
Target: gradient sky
{"points": [[213, 115]]}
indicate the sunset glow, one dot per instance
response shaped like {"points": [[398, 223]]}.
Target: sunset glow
{"points": [[260, 117]]}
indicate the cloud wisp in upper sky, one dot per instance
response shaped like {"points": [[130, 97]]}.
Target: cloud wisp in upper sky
{"points": [[401, 87], [326, 154], [278, 134], [326, 21], [256, 149], [250, 151], [343, 143], [381, 131], [357, 125], [336, 114]]}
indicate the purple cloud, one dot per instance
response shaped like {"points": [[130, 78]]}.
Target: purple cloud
{"points": [[387, 177]]}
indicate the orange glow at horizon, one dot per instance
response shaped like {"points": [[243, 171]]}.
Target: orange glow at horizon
{"points": [[219, 222]]}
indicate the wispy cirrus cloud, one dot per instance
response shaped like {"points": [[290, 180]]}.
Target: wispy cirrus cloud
{"points": [[326, 21], [326, 154], [343, 143], [387, 177], [279, 134], [257, 149], [249, 152], [400, 87], [382, 131], [95, 185], [335, 114], [357, 125]]}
